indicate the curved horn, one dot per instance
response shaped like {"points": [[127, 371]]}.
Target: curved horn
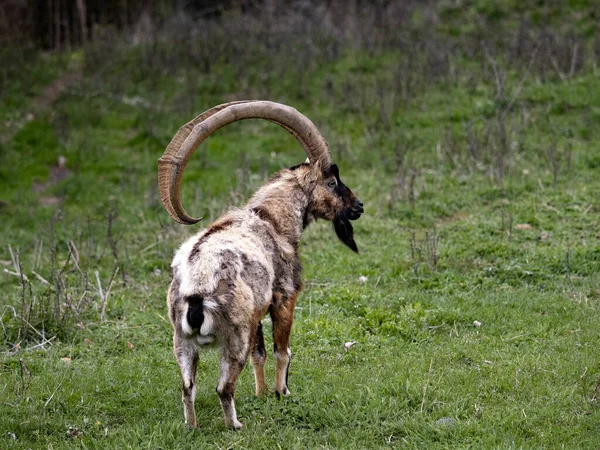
{"points": [[192, 134]]}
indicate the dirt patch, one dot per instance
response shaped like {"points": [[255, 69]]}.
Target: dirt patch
{"points": [[45, 101]]}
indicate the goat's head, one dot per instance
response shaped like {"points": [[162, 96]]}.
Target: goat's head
{"points": [[331, 199]]}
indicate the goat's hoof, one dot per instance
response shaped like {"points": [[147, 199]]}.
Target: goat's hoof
{"points": [[235, 425], [285, 393]]}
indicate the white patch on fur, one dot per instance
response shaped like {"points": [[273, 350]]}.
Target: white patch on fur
{"points": [[210, 305], [278, 355], [207, 324], [185, 326]]}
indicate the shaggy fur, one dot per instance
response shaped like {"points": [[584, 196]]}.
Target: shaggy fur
{"points": [[229, 276]]}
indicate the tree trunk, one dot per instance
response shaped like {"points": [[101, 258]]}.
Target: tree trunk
{"points": [[56, 24], [82, 21]]}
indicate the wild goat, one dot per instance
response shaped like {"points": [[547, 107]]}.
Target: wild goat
{"points": [[228, 276]]}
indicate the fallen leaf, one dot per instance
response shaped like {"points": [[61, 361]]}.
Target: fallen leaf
{"points": [[67, 360], [544, 236], [129, 345], [523, 226], [73, 432], [88, 341], [349, 345]]}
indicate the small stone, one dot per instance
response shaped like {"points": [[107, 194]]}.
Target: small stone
{"points": [[349, 345], [362, 279], [446, 421], [477, 324], [544, 236]]}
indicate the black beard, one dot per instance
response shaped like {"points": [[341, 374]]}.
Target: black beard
{"points": [[344, 231]]}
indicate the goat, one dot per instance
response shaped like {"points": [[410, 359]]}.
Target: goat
{"points": [[230, 275]]}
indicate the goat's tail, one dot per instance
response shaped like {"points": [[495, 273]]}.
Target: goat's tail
{"points": [[194, 318]]}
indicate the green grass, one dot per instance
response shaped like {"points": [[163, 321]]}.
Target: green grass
{"points": [[421, 375]]}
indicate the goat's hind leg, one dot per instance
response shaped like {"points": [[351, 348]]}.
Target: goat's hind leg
{"points": [[233, 359], [186, 353], [258, 356]]}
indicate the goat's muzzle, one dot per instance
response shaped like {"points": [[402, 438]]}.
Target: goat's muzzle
{"points": [[355, 211]]}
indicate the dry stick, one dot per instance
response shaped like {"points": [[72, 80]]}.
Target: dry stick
{"points": [[13, 259], [558, 71], [500, 83], [103, 296], [10, 272], [525, 75], [26, 369], [75, 254], [55, 390], [38, 254], [99, 285], [41, 344], [42, 279], [426, 384], [574, 59], [23, 291]]}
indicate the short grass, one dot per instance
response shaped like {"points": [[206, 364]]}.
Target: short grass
{"points": [[490, 343]]}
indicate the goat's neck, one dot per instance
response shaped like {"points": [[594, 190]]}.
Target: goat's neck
{"points": [[285, 205]]}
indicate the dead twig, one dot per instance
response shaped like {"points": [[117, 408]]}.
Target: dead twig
{"points": [[104, 296], [426, 385], [24, 369]]}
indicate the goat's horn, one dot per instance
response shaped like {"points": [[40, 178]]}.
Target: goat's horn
{"points": [[192, 134]]}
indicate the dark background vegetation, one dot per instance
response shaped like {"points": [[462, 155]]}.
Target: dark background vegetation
{"points": [[468, 127]]}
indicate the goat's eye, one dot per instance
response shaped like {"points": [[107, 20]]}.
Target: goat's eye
{"points": [[331, 184]]}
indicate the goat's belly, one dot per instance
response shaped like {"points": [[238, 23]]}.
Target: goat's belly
{"points": [[205, 340]]}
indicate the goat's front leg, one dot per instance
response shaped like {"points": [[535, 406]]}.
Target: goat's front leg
{"points": [[187, 358], [282, 316], [233, 359], [258, 356]]}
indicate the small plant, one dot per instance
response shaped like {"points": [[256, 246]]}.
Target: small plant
{"points": [[424, 250]]}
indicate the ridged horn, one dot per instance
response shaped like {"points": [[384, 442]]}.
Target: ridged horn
{"points": [[189, 137]]}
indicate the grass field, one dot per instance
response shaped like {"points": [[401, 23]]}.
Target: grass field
{"points": [[474, 304]]}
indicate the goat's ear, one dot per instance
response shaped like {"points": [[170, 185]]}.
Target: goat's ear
{"points": [[315, 173]]}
